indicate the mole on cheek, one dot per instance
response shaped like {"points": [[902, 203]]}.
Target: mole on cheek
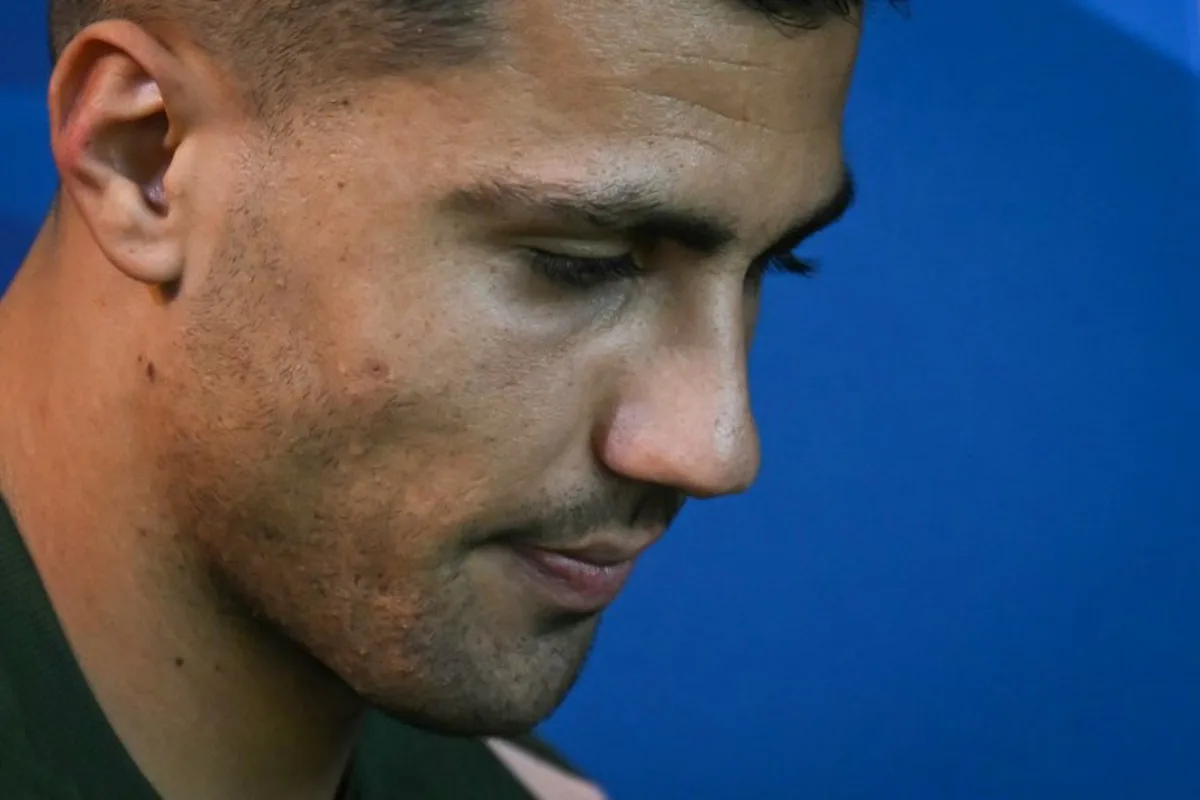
{"points": [[367, 377], [148, 366]]}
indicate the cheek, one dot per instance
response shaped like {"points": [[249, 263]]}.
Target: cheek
{"points": [[462, 418], [436, 355], [379, 371]]}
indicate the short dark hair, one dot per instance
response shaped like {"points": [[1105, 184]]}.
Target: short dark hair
{"points": [[274, 46]]}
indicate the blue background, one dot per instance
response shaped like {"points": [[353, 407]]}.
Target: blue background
{"points": [[972, 566]]}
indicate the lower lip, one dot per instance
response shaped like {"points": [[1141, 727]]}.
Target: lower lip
{"points": [[571, 584]]}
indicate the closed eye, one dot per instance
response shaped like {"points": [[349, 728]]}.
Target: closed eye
{"points": [[584, 272], [589, 272]]}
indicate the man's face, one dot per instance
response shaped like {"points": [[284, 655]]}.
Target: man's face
{"points": [[437, 330]]}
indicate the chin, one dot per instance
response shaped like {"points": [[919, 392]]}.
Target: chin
{"points": [[489, 704], [467, 679]]}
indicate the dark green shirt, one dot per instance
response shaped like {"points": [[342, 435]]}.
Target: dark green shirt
{"points": [[55, 743]]}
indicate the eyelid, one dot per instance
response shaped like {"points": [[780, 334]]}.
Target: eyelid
{"points": [[584, 272], [574, 247]]}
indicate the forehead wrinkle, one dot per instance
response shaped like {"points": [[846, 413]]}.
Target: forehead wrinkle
{"points": [[765, 96], [627, 102], [771, 99], [685, 58], [743, 115]]}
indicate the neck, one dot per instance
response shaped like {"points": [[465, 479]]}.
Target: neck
{"points": [[209, 702]]}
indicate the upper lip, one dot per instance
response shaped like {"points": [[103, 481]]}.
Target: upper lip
{"points": [[601, 553]]}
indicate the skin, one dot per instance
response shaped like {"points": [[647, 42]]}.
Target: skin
{"points": [[295, 393]]}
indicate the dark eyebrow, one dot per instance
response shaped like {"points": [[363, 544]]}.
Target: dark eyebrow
{"points": [[827, 214], [636, 211], [627, 209]]}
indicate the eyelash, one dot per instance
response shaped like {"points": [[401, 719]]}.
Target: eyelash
{"points": [[788, 263], [587, 273]]}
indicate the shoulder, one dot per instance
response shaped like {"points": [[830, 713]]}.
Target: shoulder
{"points": [[394, 759]]}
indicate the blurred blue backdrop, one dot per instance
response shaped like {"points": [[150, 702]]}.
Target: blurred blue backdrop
{"points": [[972, 566]]}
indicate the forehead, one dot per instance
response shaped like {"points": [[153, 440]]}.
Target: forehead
{"points": [[713, 103], [733, 102], [689, 59]]}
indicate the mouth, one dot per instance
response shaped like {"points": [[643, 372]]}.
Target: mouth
{"points": [[581, 579]]}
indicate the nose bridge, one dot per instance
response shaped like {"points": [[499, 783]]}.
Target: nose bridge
{"points": [[683, 419]]}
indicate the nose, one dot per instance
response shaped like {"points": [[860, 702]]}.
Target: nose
{"points": [[684, 421]]}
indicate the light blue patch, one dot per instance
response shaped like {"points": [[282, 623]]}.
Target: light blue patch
{"points": [[1169, 26]]}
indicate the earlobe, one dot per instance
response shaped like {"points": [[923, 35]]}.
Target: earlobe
{"points": [[114, 142]]}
